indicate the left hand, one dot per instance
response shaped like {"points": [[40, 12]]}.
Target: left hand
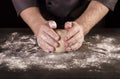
{"points": [[74, 37]]}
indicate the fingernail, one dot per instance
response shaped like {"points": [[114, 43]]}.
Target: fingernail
{"points": [[56, 38], [56, 44], [50, 48], [46, 51]]}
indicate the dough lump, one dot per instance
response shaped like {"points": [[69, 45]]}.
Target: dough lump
{"points": [[61, 47]]}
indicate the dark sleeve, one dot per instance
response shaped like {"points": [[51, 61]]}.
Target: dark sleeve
{"points": [[109, 3], [20, 5]]}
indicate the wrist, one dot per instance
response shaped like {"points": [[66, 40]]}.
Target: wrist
{"points": [[83, 27], [33, 18], [37, 25]]}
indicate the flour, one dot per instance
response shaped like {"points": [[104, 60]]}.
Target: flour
{"points": [[22, 52]]}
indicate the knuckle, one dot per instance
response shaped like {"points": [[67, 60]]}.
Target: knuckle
{"points": [[52, 24]]}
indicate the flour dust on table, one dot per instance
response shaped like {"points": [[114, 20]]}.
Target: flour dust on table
{"points": [[19, 51]]}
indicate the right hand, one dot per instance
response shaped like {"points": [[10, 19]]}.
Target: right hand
{"points": [[47, 38]]}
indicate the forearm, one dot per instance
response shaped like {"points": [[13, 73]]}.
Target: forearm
{"points": [[92, 15], [33, 18]]}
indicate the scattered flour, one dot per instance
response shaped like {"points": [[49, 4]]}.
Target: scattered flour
{"points": [[21, 52]]}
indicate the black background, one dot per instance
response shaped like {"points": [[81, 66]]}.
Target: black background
{"points": [[8, 16]]}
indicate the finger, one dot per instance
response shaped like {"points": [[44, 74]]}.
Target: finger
{"points": [[51, 33], [49, 40], [46, 47], [71, 32], [75, 46], [68, 25], [74, 39], [52, 24]]}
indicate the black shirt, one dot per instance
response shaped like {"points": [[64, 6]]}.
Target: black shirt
{"points": [[60, 10]]}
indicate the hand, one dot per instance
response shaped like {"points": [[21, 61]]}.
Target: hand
{"points": [[47, 38], [74, 37]]}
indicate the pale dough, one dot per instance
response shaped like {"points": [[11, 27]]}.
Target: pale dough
{"points": [[61, 47]]}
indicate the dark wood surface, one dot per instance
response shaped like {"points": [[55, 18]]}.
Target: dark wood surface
{"points": [[108, 73]]}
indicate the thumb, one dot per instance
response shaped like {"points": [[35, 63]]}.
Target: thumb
{"points": [[68, 25], [52, 24]]}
